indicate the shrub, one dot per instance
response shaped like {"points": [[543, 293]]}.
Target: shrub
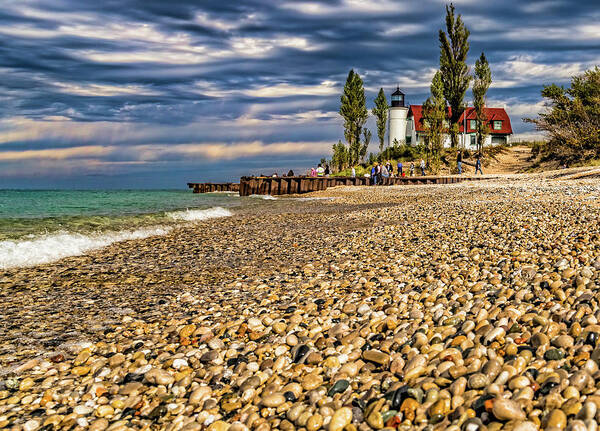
{"points": [[572, 121]]}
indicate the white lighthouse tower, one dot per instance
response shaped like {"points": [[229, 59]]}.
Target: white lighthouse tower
{"points": [[398, 115]]}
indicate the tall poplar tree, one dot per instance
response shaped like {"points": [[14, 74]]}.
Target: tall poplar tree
{"points": [[380, 111], [483, 80], [454, 47], [354, 112], [365, 144], [434, 116]]}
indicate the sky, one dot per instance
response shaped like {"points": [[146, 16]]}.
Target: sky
{"points": [[154, 93]]}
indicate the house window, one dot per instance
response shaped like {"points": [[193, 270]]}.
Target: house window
{"points": [[473, 124], [499, 140], [498, 125]]}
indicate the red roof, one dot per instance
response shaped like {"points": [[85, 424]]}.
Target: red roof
{"points": [[493, 114]]}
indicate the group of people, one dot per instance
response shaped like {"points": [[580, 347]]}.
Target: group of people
{"points": [[386, 170], [275, 175], [320, 171]]}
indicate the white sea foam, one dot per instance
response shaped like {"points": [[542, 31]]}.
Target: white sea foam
{"points": [[226, 192], [52, 247], [195, 215], [48, 248], [265, 197]]}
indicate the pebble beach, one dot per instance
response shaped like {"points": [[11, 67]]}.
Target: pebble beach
{"points": [[470, 306]]}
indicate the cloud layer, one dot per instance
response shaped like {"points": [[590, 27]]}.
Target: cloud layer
{"points": [[151, 89]]}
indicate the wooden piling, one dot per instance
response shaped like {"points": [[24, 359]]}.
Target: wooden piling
{"points": [[297, 185]]}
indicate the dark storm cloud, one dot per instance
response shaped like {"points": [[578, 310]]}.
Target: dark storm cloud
{"points": [[114, 75]]}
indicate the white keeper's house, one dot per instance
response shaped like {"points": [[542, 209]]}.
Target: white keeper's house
{"points": [[406, 125]]}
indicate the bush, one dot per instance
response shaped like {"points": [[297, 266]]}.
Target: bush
{"points": [[572, 121], [361, 170], [404, 152]]}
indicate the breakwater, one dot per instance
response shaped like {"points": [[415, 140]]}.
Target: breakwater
{"points": [[214, 187], [298, 185]]}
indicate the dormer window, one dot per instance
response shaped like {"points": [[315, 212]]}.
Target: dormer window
{"points": [[498, 125], [473, 124]]}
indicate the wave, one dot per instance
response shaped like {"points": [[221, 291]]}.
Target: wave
{"points": [[226, 192], [195, 215], [52, 247], [36, 250], [265, 197]]}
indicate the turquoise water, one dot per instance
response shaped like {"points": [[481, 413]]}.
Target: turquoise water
{"points": [[58, 203], [31, 212], [41, 226]]}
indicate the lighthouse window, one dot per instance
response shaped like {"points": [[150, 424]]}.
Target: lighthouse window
{"points": [[398, 100]]}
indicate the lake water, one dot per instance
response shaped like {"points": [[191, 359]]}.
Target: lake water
{"points": [[41, 226]]}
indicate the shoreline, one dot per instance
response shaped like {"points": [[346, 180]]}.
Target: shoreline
{"points": [[198, 312]]}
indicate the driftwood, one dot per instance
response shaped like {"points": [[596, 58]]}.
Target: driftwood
{"points": [[580, 175]]}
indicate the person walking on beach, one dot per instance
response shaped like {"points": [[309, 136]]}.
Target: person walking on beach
{"points": [[290, 173], [374, 175], [320, 171], [384, 172], [327, 170], [478, 165], [400, 173], [422, 166], [353, 172], [459, 162], [412, 169], [313, 172], [378, 173]]}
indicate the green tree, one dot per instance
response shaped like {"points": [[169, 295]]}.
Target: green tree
{"points": [[372, 159], [380, 111], [339, 159], [572, 121], [434, 116], [365, 144], [454, 47], [354, 152], [483, 80], [354, 112]]}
